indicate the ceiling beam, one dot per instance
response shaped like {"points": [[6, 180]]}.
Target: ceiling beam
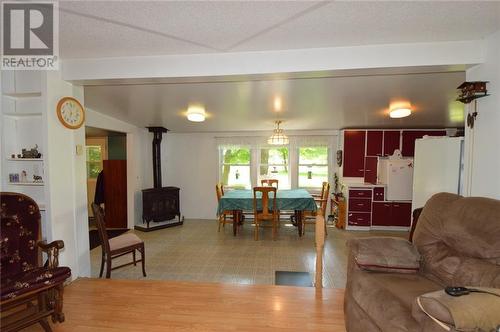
{"points": [[274, 62]]}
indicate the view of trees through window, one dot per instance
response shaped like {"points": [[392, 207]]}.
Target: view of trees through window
{"points": [[236, 168], [236, 165], [274, 164], [94, 161], [313, 166]]}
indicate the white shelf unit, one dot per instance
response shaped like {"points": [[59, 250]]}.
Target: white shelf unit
{"points": [[22, 127]]}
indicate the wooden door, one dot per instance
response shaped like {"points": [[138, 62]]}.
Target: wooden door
{"points": [[115, 193], [374, 142], [381, 214], [354, 153], [371, 169], [391, 141]]}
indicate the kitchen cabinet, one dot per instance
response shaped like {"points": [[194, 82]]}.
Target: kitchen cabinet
{"points": [[371, 169], [374, 140], [409, 137], [378, 193], [391, 141], [359, 219], [391, 214], [354, 153]]}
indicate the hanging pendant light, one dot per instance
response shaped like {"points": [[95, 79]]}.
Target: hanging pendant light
{"points": [[278, 137]]}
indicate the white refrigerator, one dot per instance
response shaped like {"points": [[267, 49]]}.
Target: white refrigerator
{"points": [[397, 175], [438, 168]]}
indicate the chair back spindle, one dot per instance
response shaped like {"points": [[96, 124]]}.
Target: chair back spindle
{"points": [[101, 226]]}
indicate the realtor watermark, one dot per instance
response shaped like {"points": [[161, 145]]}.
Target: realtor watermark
{"points": [[30, 36]]}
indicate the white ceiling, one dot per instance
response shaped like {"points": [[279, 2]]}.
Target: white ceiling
{"points": [[133, 28], [309, 103]]}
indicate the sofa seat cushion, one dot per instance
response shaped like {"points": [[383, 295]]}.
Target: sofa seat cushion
{"points": [[31, 280], [123, 241], [387, 298]]}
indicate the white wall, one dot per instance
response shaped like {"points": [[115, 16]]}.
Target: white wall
{"points": [[483, 141], [190, 162], [66, 177]]}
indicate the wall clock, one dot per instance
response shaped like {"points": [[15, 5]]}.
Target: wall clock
{"points": [[70, 112]]}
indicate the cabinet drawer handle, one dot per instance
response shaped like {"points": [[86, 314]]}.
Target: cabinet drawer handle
{"points": [[367, 170], [396, 205], [387, 205], [360, 194], [361, 170], [360, 204], [359, 219]]}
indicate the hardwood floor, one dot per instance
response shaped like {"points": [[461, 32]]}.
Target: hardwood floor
{"points": [[127, 305]]}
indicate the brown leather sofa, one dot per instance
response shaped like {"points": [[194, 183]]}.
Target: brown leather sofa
{"points": [[458, 240]]}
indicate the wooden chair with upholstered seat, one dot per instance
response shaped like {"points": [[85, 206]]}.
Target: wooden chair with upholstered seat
{"points": [[226, 217], [118, 246], [270, 183], [267, 211], [310, 216]]}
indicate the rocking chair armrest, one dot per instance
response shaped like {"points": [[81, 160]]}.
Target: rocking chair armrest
{"points": [[52, 250]]}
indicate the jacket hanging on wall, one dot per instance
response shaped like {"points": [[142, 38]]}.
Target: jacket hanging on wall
{"points": [[99, 189]]}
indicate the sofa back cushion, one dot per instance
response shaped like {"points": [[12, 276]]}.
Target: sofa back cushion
{"points": [[459, 240], [19, 234]]}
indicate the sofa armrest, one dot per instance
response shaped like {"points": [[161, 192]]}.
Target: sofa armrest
{"points": [[52, 251], [385, 254]]}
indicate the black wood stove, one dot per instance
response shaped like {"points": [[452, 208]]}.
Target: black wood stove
{"points": [[160, 204]]}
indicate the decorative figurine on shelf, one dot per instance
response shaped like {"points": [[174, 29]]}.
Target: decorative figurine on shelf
{"points": [[24, 176], [37, 179], [13, 177], [472, 90], [32, 153], [13, 156]]}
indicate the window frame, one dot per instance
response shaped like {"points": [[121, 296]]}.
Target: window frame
{"points": [[93, 162], [288, 165], [327, 165], [222, 164]]}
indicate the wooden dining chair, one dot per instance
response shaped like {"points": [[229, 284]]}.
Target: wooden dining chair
{"points": [[270, 182], [320, 195], [118, 246], [265, 212], [310, 216], [226, 217]]}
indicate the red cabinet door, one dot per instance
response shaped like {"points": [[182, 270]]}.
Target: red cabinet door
{"points": [[381, 214], [354, 153], [358, 219], [410, 136], [391, 141], [371, 169], [401, 214], [378, 194], [374, 142], [360, 205]]}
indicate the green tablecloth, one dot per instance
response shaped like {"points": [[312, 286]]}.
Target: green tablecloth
{"points": [[293, 199]]}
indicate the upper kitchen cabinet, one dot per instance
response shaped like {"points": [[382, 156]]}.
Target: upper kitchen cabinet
{"points": [[374, 140], [391, 141], [354, 153], [410, 136], [21, 82]]}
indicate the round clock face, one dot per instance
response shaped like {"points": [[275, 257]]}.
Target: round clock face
{"points": [[70, 112]]}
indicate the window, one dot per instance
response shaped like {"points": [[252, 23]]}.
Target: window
{"points": [[313, 166], [94, 161], [274, 164], [235, 167]]}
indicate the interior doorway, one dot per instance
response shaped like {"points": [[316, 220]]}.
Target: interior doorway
{"points": [[106, 158]]}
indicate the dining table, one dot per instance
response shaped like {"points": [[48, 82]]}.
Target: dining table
{"points": [[240, 200]]}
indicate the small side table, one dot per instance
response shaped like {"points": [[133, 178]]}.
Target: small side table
{"points": [[340, 207]]}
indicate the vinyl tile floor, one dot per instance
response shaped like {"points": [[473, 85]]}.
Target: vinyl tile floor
{"points": [[195, 251]]}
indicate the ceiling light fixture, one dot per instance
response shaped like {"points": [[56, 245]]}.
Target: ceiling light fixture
{"points": [[400, 112], [277, 104], [196, 113], [278, 137]]}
